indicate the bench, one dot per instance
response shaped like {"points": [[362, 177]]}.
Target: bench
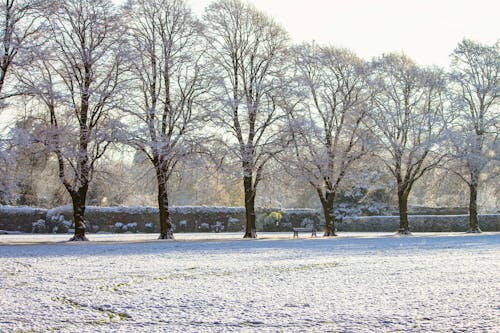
{"points": [[297, 230]]}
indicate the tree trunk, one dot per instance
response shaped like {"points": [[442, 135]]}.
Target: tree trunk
{"points": [[329, 213], [251, 229], [166, 230], [404, 228], [473, 218], [78, 198]]}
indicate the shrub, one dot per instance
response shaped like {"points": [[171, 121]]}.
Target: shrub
{"points": [[58, 224], [38, 226]]}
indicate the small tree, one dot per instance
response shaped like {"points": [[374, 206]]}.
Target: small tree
{"points": [[408, 120], [248, 51], [475, 78], [169, 73], [327, 132]]}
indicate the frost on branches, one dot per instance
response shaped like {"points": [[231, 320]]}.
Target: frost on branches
{"points": [[77, 77], [170, 77], [408, 120], [248, 50], [327, 127]]}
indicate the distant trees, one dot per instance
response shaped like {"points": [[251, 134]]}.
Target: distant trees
{"points": [[170, 75], [9, 178], [328, 131], [248, 51], [30, 159], [77, 76], [475, 78], [408, 122]]}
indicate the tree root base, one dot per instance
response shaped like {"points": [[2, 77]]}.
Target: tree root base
{"points": [[330, 234], [474, 231], [403, 232], [251, 235], [78, 238], [166, 235]]}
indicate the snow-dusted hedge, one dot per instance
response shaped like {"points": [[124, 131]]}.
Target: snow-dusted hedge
{"points": [[419, 223], [199, 218], [23, 219], [185, 218], [145, 219]]}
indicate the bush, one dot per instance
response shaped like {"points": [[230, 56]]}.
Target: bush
{"points": [[233, 224], [132, 227], [204, 227], [149, 227], [119, 227], [38, 227], [58, 224]]}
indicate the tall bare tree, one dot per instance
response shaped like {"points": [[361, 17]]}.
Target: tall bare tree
{"points": [[248, 51], [476, 92], [328, 131], [409, 118], [77, 76], [170, 75]]}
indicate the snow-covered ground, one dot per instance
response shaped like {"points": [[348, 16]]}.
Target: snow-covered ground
{"points": [[25, 238], [220, 283]]}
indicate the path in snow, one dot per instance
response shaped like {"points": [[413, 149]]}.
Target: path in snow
{"points": [[381, 283]]}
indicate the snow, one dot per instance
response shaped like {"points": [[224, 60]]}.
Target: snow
{"points": [[20, 210], [220, 282]]}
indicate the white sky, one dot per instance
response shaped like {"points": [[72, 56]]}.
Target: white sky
{"points": [[426, 30]]}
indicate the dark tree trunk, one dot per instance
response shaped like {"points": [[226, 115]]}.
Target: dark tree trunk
{"points": [[404, 228], [166, 230], [78, 198], [250, 230], [329, 213], [473, 218]]}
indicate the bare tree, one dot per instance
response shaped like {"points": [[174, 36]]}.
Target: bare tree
{"points": [[327, 132], [77, 76], [168, 70], [20, 23], [476, 94], [408, 119], [248, 51]]}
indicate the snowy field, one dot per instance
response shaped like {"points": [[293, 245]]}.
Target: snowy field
{"points": [[220, 283]]}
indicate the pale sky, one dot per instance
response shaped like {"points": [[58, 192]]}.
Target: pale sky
{"points": [[426, 30]]}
